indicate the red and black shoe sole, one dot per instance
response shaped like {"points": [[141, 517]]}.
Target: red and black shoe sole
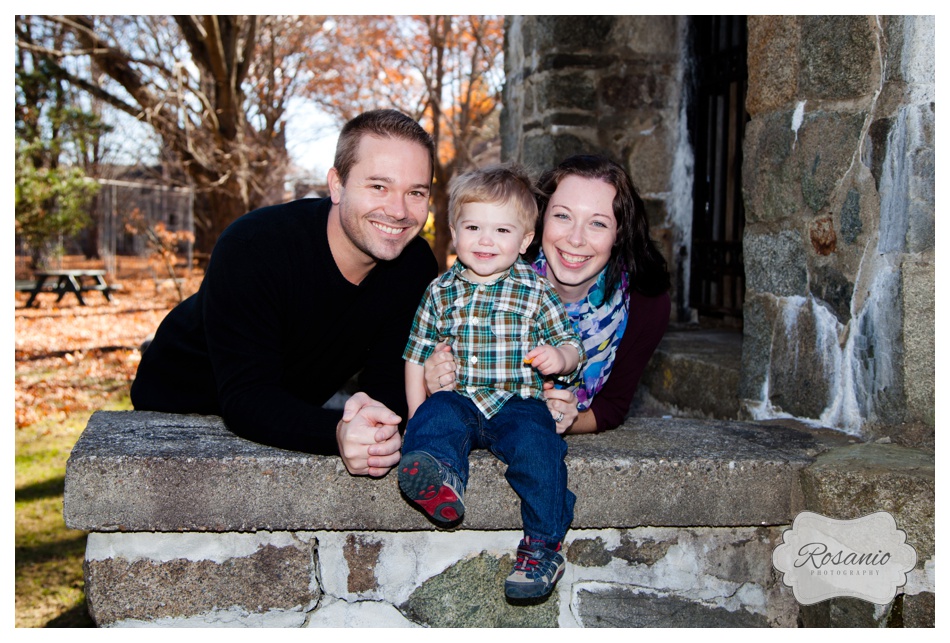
{"points": [[421, 480]]}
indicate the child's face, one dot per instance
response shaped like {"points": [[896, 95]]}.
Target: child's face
{"points": [[488, 239]]}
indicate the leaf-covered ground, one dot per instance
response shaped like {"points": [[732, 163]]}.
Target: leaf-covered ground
{"points": [[70, 361]]}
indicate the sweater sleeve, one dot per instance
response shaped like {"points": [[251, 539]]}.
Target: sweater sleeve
{"points": [[384, 376], [249, 301], [649, 317], [242, 307]]}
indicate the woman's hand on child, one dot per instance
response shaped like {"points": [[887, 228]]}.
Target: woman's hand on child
{"points": [[440, 369], [563, 406]]}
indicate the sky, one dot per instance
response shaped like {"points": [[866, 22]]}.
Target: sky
{"points": [[311, 137]]}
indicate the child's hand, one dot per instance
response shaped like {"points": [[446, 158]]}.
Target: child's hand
{"points": [[548, 360]]}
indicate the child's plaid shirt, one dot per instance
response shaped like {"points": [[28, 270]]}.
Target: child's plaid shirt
{"points": [[491, 328]]}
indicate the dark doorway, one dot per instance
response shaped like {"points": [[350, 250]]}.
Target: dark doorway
{"points": [[717, 121]]}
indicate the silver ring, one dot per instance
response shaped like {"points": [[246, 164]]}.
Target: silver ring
{"points": [[560, 416], [440, 381]]}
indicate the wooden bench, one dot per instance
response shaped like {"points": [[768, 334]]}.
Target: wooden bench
{"points": [[29, 285]]}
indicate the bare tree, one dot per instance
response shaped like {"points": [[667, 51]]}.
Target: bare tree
{"points": [[214, 88]]}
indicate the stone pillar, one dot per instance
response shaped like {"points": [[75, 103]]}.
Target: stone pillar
{"points": [[610, 85], [839, 238]]}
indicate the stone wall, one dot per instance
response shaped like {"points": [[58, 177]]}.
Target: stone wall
{"points": [[675, 525], [609, 85], [647, 577], [838, 172], [839, 238]]}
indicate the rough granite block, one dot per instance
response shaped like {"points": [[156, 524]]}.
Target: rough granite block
{"points": [[850, 482], [147, 577]]}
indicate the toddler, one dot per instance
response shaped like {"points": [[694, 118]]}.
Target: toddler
{"points": [[508, 330]]}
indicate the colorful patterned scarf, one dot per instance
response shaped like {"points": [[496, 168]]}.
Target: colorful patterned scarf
{"points": [[601, 326]]}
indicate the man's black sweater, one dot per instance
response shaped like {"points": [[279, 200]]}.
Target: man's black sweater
{"points": [[275, 330]]}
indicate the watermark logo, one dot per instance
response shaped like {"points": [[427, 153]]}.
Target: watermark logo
{"points": [[866, 558]]}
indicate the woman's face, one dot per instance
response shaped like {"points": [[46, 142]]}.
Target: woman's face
{"points": [[579, 231]]}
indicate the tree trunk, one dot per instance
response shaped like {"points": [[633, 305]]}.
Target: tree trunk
{"points": [[215, 210], [443, 239]]}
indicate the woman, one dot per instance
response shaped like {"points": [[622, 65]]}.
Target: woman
{"points": [[593, 244]]}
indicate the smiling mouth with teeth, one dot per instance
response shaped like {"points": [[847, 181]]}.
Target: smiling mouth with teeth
{"points": [[573, 259], [387, 229]]}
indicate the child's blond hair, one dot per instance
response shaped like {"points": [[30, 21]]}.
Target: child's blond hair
{"points": [[497, 185]]}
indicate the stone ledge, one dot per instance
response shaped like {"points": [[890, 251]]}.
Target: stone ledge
{"points": [[694, 373], [143, 471], [856, 480]]}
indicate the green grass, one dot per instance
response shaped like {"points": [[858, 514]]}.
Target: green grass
{"points": [[49, 557]]}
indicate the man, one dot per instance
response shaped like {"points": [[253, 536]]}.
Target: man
{"points": [[300, 297]]}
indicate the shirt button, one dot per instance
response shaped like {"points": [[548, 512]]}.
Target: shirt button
{"points": [[474, 360], [475, 321]]}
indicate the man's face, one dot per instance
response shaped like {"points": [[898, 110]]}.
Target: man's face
{"points": [[385, 201]]}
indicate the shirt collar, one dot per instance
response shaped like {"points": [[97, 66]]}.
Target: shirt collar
{"points": [[520, 272]]}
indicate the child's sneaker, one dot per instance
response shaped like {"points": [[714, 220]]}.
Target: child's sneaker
{"points": [[536, 571], [433, 486]]}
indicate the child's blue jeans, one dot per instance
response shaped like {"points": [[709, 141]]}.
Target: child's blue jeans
{"points": [[522, 434]]}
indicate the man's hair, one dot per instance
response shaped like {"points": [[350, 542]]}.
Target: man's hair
{"points": [[382, 123], [497, 185]]}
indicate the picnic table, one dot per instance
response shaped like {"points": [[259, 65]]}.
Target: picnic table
{"points": [[66, 281]]}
